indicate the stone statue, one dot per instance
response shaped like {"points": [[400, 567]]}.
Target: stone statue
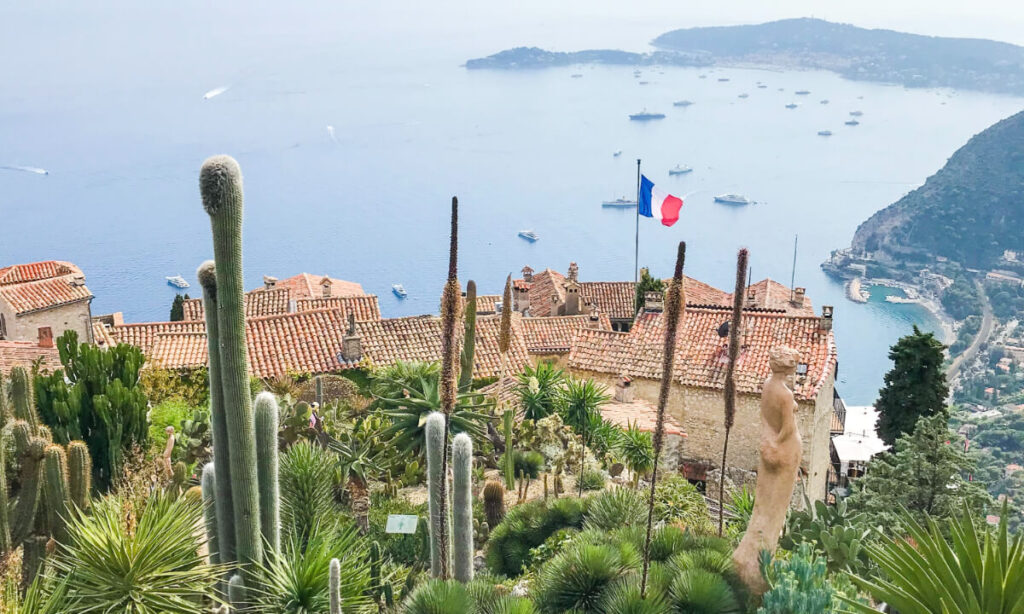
{"points": [[776, 471]]}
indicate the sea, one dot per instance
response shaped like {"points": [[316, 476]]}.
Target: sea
{"points": [[355, 126]]}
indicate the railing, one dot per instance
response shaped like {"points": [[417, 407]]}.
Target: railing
{"points": [[838, 414]]}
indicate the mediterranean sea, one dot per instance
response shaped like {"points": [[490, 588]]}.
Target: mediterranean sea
{"points": [[111, 102]]}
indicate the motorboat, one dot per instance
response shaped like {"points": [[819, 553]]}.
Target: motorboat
{"points": [[733, 199], [177, 281], [399, 291], [679, 170], [618, 202], [529, 235], [824, 133]]}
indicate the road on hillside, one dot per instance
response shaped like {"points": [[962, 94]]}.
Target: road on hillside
{"points": [[983, 334]]}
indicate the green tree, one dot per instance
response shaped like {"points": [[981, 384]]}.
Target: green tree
{"points": [[647, 284], [923, 474], [914, 387], [178, 308]]}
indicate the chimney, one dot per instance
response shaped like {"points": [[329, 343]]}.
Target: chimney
{"points": [[574, 272], [527, 274], [751, 299], [825, 323], [78, 281], [595, 318], [572, 297], [45, 337], [798, 296], [520, 299], [654, 301], [623, 389], [325, 285], [269, 282], [351, 342]]}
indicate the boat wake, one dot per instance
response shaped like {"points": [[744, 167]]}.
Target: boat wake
{"points": [[26, 169], [217, 91], [330, 133]]}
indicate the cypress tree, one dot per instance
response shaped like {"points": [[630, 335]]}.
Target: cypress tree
{"points": [[914, 387]]}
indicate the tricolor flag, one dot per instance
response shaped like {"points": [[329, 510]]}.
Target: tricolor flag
{"points": [[655, 203]]}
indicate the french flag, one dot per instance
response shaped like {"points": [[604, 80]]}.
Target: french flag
{"points": [[655, 203]]}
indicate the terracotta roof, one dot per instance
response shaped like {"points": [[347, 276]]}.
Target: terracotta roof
{"points": [[26, 297], [503, 391], [615, 298], [546, 284], [258, 303], [699, 293], [555, 334], [24, 354], [47, 269], [305, 285], [363, 307], [143, 335], [178, 351], [101, 334], [304, 342], [702, 353], [641, 413], [487, 303], [769, 294]]}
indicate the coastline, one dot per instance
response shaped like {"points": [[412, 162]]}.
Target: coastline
{"points": [[914, 295]]}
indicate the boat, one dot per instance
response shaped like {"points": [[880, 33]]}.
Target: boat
{"points": [[636, 73], [762, 86], [529, 235], [679, 170], [824, 101], [682, 103], [643, 82], [824, 133], [791, 105], [733, 199], [618, 202], [856, 113], [852, 122], [645, 116], [399, 291], [702, 76], [802, 92], [723, 79], [617, 153], [744, 95], [576, 75], [177, 281]]}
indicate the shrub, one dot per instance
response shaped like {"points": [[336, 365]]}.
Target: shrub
{"points": [[612, 509], [676, 500], [623, 597], [699, 591], [637, 450], [538, 390], [592, 479], [403, 549], [528, 526], [307, 488], [576, 579], [439, 597], [529, 463], [169, 412], [161, 385]]}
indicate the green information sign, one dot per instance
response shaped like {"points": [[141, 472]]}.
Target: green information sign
{"points": [[402, 523]]}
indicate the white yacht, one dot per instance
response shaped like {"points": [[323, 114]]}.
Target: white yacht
{"points": [[399, 291], [529, 235], [177, 281], [619, 202], [824, 133], [733, 199], [679, 169]]}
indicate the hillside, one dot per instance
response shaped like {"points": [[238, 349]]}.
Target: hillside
{"points": [[855, 53], [969, 211]]}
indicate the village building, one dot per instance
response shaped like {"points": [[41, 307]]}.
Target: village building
{"points": [[41, 300]]}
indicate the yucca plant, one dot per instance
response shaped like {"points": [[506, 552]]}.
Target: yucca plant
{"points": [[154, 569], [612, 509], [637, 450], [974, 572], [296, 580], [307, 487], [359, 462], [538, 390]]}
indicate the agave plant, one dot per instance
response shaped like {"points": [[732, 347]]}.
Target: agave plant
{"points": [[538, 390], [359, 461], [296, 579], [154, 569], [975, 572], [307, 489]]}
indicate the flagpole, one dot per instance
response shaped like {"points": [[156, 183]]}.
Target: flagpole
{"points": [[636, 253]]}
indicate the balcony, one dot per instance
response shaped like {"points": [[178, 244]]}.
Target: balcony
{"points": [[838, 414]]}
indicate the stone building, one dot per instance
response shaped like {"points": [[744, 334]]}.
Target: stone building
{"points": [[41, 300], [696, 400]]}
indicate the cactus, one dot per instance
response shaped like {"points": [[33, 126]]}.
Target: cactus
{"points": [[435, 479], [32, 557], [335, 586], [462, 508], [319, 395], [508, 460], [225, 510], [209, 486], [57, 491], [24, 512], [79, 474], [5, 528], [236, 593], [21, 398], [266, 443], [494, 503], [220, 184], [469, 343]]}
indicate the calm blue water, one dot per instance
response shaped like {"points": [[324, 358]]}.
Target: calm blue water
{"points": [[111, 104]]}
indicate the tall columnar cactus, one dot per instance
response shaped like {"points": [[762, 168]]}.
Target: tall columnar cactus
{"points": [[675, 303], [32, 557], [24, 512], [5, 527], [57, 491], [236, 593], [79, 474], [436, 478], [508, 462], [730, 374], [319, 394], [266, 444], [4, 412], [220, 184], [469, 343], [494, 503], [21, 398], [335, 586], [462, 508], [208, 483], [225, 511]]}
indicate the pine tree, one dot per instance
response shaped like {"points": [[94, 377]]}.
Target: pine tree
{"points": [[646, 284], [178, 308], [914, 387]]}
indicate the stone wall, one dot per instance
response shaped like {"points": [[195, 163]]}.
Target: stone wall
{"points": [[75, 316], [701, 413]]}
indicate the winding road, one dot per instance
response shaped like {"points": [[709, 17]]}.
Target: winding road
{"points": [[984, 333]]}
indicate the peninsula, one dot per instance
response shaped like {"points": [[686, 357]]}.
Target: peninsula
{"points": [[857, 53]]}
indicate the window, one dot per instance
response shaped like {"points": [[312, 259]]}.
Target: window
{"points": [[3, 327]]}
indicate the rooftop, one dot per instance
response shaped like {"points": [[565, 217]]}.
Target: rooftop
{"points": [[363, 307], [42, 285], [305, 285], [641, 413], [555, 334], [258, 303], [25, 353]]}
